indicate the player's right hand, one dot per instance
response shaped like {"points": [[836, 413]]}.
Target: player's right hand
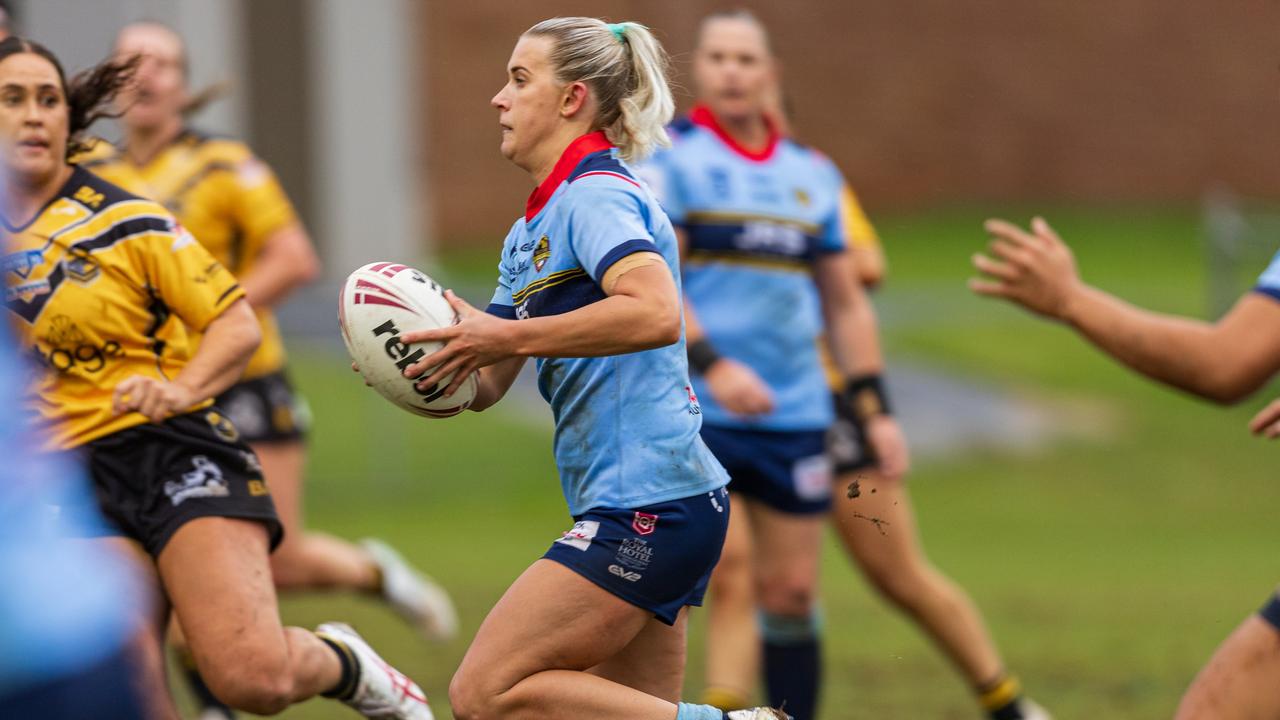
{"points": [[1267, 422], [1033, 269], [737, 388]]}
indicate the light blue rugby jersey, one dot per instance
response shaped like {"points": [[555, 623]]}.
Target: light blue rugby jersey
{"points": [[626, 425], [1269, 282], [756, 224]]}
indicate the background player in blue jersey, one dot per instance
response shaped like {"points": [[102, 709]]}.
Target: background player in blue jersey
{"points": [[588, 284], [1225, 362], [767, 228]]}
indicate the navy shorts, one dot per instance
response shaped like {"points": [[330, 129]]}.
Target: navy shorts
{"points": [[658, 557], [788, 471]]}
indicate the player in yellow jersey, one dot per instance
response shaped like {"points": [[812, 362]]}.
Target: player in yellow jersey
{"points": [[95, 278], [232, 203]]}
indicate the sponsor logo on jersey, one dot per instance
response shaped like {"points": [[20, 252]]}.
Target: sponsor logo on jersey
{"points": [[541, 253], [625, 574], [581, 535], [644, 523], [203, 480], [89, 196], [26, 292], [23, 262], [694, 407]]}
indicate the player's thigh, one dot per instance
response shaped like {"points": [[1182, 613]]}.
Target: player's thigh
{"points": [[551, 618], [733, 572], [283, 464], [787, 549], [1240, 680], [878, 527], [653, 662], [217, 576]]}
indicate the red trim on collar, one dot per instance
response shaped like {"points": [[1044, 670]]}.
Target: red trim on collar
{"points": [[702, 115], [577, 150]]}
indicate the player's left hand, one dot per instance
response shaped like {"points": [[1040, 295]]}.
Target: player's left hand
{"points": [[478, 339], [155, 398], [1267, 422], [1033, 269], [889, 445]]}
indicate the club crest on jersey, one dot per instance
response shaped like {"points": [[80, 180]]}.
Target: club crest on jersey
{"points": [[802, 197], [81, 267], [644, 523], [222, 427], [541, 253]]}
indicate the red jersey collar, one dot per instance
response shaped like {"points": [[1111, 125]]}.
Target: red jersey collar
{"points": [[702, 115], [577, 150]]}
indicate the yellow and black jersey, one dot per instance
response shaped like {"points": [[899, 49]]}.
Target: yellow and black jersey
{"points": [[99, 286], [857, 227], [224, 195]]}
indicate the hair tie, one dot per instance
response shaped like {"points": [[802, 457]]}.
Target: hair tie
{"points": [[619, 31]]}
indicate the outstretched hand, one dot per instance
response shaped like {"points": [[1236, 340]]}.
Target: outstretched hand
{"points": [[476, 340], [1033, 269], [1267, 422]]}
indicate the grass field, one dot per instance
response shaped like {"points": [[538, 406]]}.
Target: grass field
{"points": [[1108, 568]]}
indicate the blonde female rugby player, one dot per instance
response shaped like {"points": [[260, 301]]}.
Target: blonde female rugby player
{"points": [[94, 277], [589, 285]]}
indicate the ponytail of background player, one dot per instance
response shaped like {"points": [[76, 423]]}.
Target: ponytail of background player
{"points": [[93, 277], [589, 285]]}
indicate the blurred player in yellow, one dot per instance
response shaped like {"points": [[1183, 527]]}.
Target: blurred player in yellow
{"points": [[733, 64], [1225, 362], [232, 203], [94, 279]]}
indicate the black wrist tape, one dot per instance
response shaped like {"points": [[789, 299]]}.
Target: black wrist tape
{"points": [[866, 398], [702, 355]]}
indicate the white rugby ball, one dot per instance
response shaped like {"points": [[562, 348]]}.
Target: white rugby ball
{"points": [[378, 303]]}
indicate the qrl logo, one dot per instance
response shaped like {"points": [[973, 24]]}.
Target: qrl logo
{"points": [[644, 523]]}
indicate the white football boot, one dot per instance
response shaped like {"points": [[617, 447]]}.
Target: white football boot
{"points": [[381, 691], [417, 598], [1032, 711], [759, 713]]}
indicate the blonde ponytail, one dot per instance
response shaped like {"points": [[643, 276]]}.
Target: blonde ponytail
{"points": [[626, 68]]}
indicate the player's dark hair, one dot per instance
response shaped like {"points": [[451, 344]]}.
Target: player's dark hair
{"points": [[88, 94]]}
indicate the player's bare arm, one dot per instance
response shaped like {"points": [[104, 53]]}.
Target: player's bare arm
{"points": [[1224, 361], [228, 342], [855, 346]]}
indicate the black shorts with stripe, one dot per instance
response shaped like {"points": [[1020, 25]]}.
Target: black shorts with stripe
{"points": [[152, 479]]}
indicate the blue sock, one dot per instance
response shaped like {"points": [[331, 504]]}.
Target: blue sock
{"points": [[689, 711], [792, 663]]}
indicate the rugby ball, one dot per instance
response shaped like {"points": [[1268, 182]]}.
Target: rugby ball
{"points": [[378, 303]]}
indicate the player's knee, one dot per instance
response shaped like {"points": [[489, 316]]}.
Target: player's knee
{"points": [[791, 594], [252, 687], [470, 698]]}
